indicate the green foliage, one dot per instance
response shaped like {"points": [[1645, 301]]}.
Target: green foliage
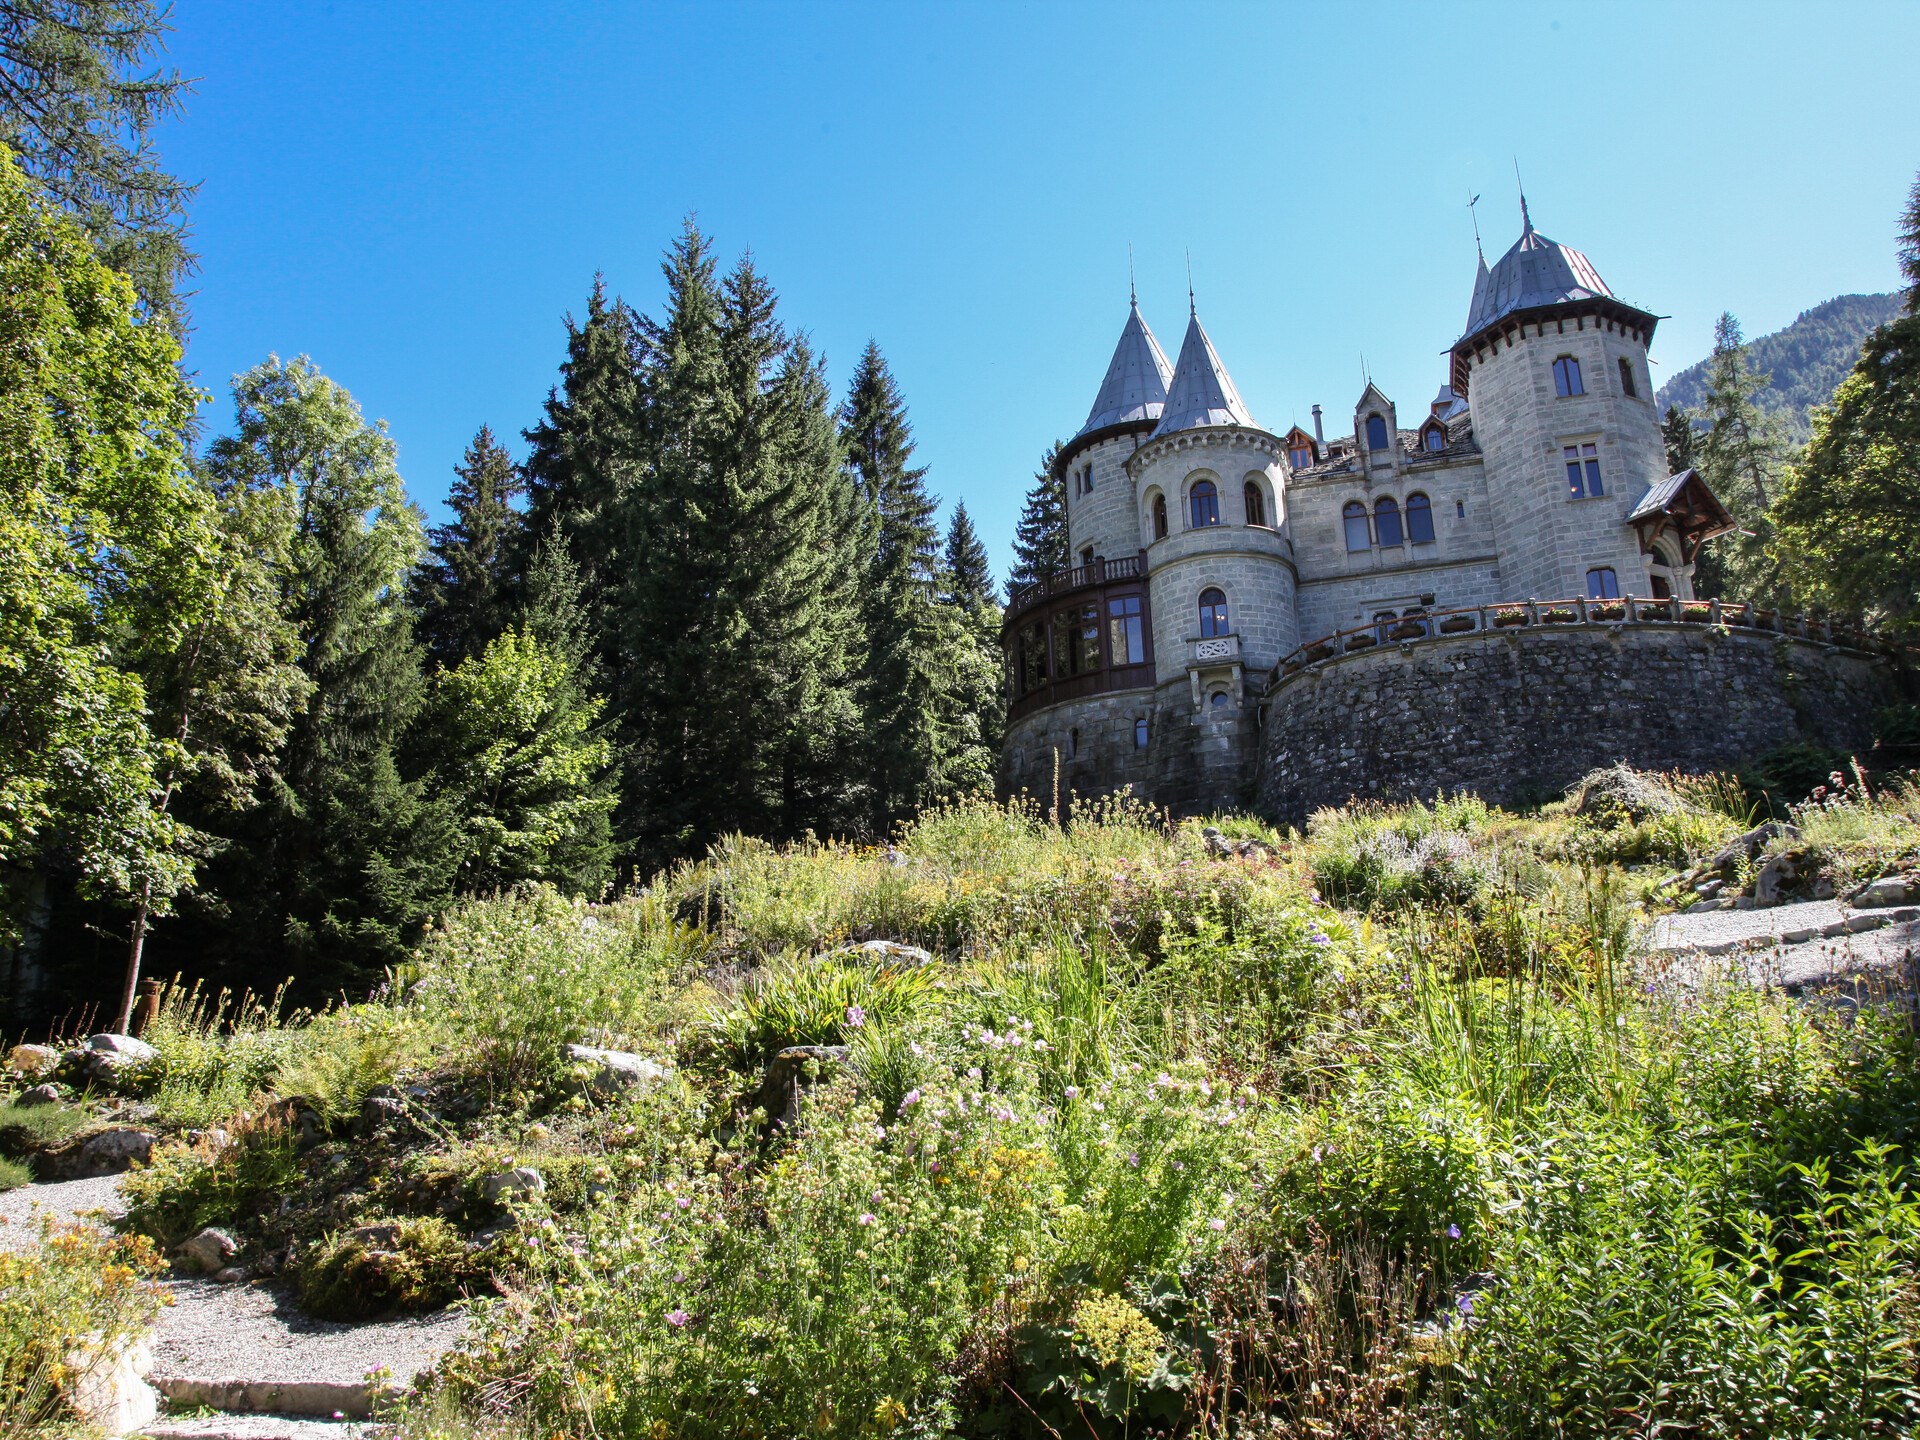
{"points": [[215, 1053], [1739, 452], [26, 1129], [1040, 535], [13, 1175], [104, 538], [463, 587], [79, 102], [417, 1264], [213, 1181], [821, 1001], [340, 1058]]}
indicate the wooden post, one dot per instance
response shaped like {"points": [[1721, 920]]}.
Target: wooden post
{"points": [[147, 1006]]}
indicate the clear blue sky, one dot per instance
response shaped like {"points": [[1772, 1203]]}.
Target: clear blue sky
{"points": [[415, 193]]}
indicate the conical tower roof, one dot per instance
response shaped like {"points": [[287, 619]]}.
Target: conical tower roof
{"points": [[1535, 272], [1202, 392], [1137, 376]]}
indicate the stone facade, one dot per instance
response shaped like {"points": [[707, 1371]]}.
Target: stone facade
{"points": [[1234, 547], [1517, 715]]}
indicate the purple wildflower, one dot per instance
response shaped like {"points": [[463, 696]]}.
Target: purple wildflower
{"points": [[912, 1097], [683, 1202], [677, 1318], [1073, 1092], [1464, 1305], [867, 1217], [1453, 1232], [856, 1017]]}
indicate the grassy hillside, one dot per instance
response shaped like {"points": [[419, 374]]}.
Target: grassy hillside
{"points": [[1378, 1130], [1807, 360]]}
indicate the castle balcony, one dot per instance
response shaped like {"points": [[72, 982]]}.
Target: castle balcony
{"points": [[1219, 650], [1078, 633]]}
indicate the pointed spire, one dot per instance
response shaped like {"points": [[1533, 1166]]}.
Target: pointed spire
{"points": [[1133, 292], [1526, 220], [1202, 392], [1192, 312], [1137, 377]]}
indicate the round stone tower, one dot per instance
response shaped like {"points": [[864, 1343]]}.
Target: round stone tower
{"points": [[1554, 366]]}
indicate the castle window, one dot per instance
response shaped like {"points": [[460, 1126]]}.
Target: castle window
{"points": [[1382, 623], [1566, 377], [1386, 520], [1126, 635], [1073, 743], [1032, 673], [1086, 481], [1086, 556], [1256, 505], [1213, 614], [1076, 641], [1218, 699], [1159, 517], [1419, 519], [1583, 470], [1627, 387], [1359, 534], [1436, 438], [1140, 733], [1603, 583], [1460, 509], [1300, 456], [1376, 433], [1203, 504]]}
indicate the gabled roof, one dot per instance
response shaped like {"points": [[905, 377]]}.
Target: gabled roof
{"points": [[1137, 377], [1683, 504], [1379, 399], [1535, 272], [1202, 392]]}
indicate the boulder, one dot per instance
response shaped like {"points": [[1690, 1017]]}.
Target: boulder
{"points": [[384, 1236], [110, 1389], [231, 1275], [133, 1051], [1221, 848], [1887, 890], [110, 1152], [1779, 877], [210, 1250], [1748, 846], [788, 1071], [612, 1072], [379, 1111], [889, 952], [30, 1062], [39, 1095], [521, 1182]]}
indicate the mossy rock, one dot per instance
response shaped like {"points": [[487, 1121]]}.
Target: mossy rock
{"points": [[420, 1263]]}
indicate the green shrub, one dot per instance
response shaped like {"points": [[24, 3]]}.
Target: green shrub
{"points": [[13, 1175], [341, 1058], [412, 1264], [185, 1188], [28, 1129], [215, 1052], [816, 1001]]}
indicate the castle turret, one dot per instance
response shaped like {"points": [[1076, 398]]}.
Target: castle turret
{"points": [[1554, 366], [1131, 401]]}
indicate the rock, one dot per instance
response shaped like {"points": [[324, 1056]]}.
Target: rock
{"points": [[611, 1072], [1780, 876], [110, 1389], [30, 1062], [211, 1249], [39, 1095], [1221, 848], [112, 1152], [1749, 845], [376, 1237], [890, 952], [231, 1275], [1887, 890], [1823, 888], [134, 1051], [1711, 889], [521, 1182], [780, 1091], [377, 1111]]}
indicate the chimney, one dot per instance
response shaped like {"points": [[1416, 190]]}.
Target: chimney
{"points": [[1318, 435]]}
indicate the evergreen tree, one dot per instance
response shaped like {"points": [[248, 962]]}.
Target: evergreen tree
{"points": [[1040, 535], [1677, 430], [969, 573], [347, 856], [584, 453], [78, 106], [1738, 452], [901, 682], [463, 590], [1909, 247]]}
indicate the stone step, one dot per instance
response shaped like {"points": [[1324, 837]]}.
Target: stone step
{"points": [[321, 1399], [255, 1427]]}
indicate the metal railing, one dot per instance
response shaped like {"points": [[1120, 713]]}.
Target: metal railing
{"points": [[1628, 610]]}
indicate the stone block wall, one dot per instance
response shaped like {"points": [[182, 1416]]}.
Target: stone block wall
{"points": [[1096, 742], [1517, 715], [1105, 517]]}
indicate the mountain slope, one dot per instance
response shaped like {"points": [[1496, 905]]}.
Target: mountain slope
{"points": [[1807, 359]]}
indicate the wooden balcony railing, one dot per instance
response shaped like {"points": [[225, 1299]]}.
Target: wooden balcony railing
{"points": [[1060, 582]]}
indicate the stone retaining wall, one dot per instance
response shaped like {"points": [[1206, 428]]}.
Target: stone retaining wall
{"points": [[1517, 715]]}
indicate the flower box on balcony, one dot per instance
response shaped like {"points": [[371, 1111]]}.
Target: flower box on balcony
{"points": [[1361, 642], [1504, 618], [1456, 624]]}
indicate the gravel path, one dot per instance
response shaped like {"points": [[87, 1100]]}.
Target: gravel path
{"points": [[257, 1427], [64, 1199], [1719, 932], [256, 1333]]}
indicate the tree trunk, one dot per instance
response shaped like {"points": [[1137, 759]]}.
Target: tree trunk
{"points": [[123, 1019]]}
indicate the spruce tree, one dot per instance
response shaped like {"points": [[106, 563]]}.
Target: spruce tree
{"points": [[1040, 535], [584, 453], [1909, 247], [1678, 433], [463, 590], [901, 683], [969, 573], [1738, 451], [347, 856]]}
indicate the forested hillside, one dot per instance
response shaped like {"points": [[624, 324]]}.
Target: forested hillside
{"points": [[1807, 360]]}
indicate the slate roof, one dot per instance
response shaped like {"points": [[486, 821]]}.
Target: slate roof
{"points": [[1137, 377], [1535, 272], [1660, 495], [1202, 392]]}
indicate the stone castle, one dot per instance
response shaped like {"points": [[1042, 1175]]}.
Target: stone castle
{"points": [[1289, 620]]}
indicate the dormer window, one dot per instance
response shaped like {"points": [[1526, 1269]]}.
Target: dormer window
{"points": [[1203, 504], [1300, 456], [1566, 377], [1376, 433], [1435, 438]]}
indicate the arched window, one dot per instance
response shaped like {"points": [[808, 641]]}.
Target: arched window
{"points": [[1382, 624], [1256, 505], [1140, 733], [1159, 517], [1386, 520], [1203, 504], [1213, 614], [1436, 438], [1566, 377], [1603, 583], [1376, 433], [1359, 534], [1419, 519], [1073, 744]]}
